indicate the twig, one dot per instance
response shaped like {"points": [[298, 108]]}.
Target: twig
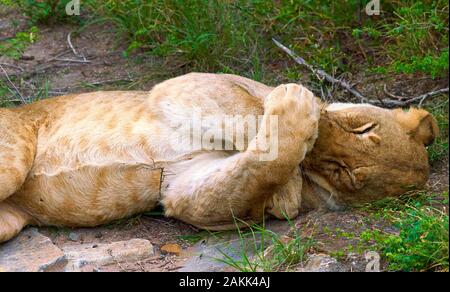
{"points": [[408, 101], [390, 94], [110, 81], [72, 60], [401, 101], [5, 38], [58, 55], [69, 41], [95, 83], [12, 84], [321, 73], [42, 69], [12, 66]]}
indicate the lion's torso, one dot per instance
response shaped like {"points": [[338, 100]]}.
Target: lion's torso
{"points": [[107, 155], [103, 156]]}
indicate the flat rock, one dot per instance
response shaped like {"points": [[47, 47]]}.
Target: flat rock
{"points": [[208, 255], [30, 251], [97, 255]]}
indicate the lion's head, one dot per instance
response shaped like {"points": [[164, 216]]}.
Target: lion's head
{"points": [[364, 152]]}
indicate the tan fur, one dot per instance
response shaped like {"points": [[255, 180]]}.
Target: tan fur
{"points": [[87, 159]]}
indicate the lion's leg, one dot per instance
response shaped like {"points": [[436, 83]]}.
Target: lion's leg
{"points": [[17, 150], [286, 200], [215, 188], [12, 221]]}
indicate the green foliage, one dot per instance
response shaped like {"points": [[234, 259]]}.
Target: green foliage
{"points": [[264, 250], [15, 47], [7, 2], [436, 66], [439, 148], [422, 243], [205, 34], [4, 94], [228, 36], [416, 38], [235, 36], [47, 11]]}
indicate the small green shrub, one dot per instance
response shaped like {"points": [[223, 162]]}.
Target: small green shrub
{"points": [[15, 47], [422, 242], [47, 11]]}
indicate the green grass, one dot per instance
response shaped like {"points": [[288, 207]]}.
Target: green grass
{"points": [[422, 241], [261, 249], [45, 11], [235, 36], [10, 98], [439, 148], [15, 47]]}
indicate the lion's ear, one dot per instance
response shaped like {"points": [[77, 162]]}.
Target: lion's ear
{"points": [[420, 124]]}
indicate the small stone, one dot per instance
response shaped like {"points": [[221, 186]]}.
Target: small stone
{"points": [[98, 255], [73, 236], [172, 248], [27, 58], [30, 251]]}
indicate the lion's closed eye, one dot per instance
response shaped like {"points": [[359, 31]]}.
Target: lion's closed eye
{"points": [[365, 128]]}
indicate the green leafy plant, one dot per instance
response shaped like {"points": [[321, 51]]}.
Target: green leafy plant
{"points": [[15, 47], [47, 11], [422, 241]]}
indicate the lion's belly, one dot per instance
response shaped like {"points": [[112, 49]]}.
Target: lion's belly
{"points": [[90, 195]]}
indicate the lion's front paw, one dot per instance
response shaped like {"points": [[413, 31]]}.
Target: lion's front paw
{"points": [[298, 111], [310, 115], [309, 109]]}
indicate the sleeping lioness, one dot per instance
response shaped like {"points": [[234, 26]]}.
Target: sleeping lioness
{"points": [[87, 159]]}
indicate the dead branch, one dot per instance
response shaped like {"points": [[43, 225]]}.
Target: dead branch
{"points": [[58, 55], [410, 100], [394, 101], [44, 68], [12, 66], [5, 38], [72, 60], [22, 99], [398, 97], [94, 83], [69, 41], [321, 73]]}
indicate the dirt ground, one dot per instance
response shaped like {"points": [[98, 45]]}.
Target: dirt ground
{"points": [[101, 65]]}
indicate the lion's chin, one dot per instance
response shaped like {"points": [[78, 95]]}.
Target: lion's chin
{"points": [[318, 193]]}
